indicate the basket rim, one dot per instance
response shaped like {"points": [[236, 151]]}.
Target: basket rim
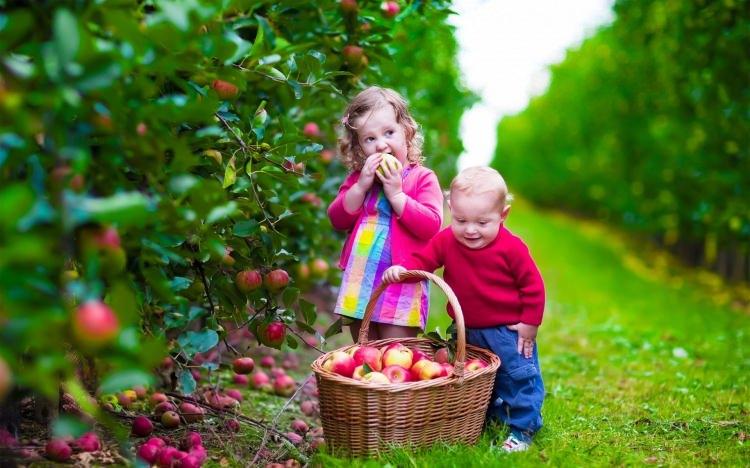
{"points": [[492, 360]]}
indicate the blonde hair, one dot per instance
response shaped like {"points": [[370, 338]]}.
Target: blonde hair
{"points": [[482, 179], [365, 102]]}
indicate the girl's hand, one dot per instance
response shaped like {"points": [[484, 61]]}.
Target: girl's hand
{"points": [[367, 174], [391, 179], [391, 275], [526, 337]]}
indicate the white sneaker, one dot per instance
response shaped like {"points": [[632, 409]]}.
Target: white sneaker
{"points": [[512, 444]]}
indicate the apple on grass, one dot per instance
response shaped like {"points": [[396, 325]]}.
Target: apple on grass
{"points": [[243, 365], [397, 374]]}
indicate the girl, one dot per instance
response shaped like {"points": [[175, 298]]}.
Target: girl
{"points": [[389, 213]]}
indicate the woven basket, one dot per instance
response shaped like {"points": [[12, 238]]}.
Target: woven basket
{"points": [[361, 418]]}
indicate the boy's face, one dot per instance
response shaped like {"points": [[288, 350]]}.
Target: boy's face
{"points": [[476, 218], [380, 133]]}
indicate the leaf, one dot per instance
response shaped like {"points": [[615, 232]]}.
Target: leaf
{"points": [[230, 174], [180, 283], [246, 228], [289, 296], [304, 327], [366, 368], [187, 381], [222, 212], [291, 341], [334, 329], [125, 379], [197, 342], [124, 209], [65, 33], [308, 311]]}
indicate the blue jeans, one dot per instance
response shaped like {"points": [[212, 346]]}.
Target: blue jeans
{"points": [[518, 392]]}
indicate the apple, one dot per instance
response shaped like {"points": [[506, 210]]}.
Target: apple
{"points": [[390, 9], [474, 364], [88, 442], [58, 450], [148, 452], [170, 419], [224, 89], [349, 7], [354, 349], [311, 199], [163, 407], [6, 379], [141, 426], [397, 355], [375, 377], [157, 398], [234, 393], [131, 395], [227, 259], [199, 452], [261, 381], [442, 355], [267, 361], [243, 365], [62, 175], [353, 55], [189, 461], [157, 442], [192, 439], [303, 271], [248, 280], [95, 324], [299, 426], [340, 363], [272, 334], [319, 268], [389, 162], [369, 355], [426, 370], [141, 129], [240, 379], [327, 156], [358, 372], [167, 456], [397, 374], [191, 413], [418, 355], [276, 280], [318, 443], [284, 385], [447, 369], [140, 391], [311, 130], [308, 407]]}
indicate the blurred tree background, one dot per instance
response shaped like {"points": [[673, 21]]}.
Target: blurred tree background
{"points": [[646, 125]]}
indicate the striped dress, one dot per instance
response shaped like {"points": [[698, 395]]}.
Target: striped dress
{"points": [[405, 304]]}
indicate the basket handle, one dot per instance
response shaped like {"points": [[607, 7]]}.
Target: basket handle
{"points": [[460, 358]]}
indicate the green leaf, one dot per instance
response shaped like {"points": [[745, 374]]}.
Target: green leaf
{"points": [[125, 379], [289, 296], [366, 368], [308, 311], [180, 283], [187, 381], [197, 342], [222, 212], [334, 329], [230, 174], [66, 37], [257, 48], [246, 228], [291, 341], [304, 327], [124, 209]]}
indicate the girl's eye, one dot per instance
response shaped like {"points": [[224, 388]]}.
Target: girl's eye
{"points": [[389, 132], [368, 139]]}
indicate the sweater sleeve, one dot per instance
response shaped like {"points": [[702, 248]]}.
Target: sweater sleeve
{"points": [[428, 258], [423, 213], [529, 282], [340, 218]]}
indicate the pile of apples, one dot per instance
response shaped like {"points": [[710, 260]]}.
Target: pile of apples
{"points": [[190, 454], [394, 363]]}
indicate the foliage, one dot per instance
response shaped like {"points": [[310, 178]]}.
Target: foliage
{"points": [[179, 127], [646, 125]]}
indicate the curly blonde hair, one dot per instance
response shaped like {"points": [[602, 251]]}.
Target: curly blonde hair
{"points": [[482, 179], [363, 103]]}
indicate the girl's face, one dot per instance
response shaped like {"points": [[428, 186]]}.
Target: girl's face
{"points": [[378, 132]]}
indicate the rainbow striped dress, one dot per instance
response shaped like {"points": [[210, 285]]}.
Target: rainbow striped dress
{"points": [[405, 304]]}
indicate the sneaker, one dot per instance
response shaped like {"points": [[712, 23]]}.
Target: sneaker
{"points": [[513, 444]]}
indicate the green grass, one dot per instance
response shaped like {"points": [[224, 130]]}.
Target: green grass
{"points": [[639, 369]]}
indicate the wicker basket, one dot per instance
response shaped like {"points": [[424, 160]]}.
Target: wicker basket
{"points": [[362, 418]]}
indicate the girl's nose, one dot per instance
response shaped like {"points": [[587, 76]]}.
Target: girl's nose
{"points": [[380, 145]]}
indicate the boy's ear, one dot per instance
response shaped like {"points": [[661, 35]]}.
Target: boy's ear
{"points": [[504, 214]]}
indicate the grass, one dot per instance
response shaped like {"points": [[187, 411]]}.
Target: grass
{"points": [[639, 368]]}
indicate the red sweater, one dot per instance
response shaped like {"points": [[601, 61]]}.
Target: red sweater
{"points": [[498, 284]]}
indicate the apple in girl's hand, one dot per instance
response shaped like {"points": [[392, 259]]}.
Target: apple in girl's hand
{"points": [[389, 162], [375, 377], [340, 363], [398, 355], [397, 374], [369, 355], [358, 373], [426, 370], [475, 364], [418, 355]]}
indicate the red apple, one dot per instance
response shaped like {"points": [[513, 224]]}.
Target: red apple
{"points": [[418, 355], [311, 130], [349, 7], [447, 369], [397, 355], [390, 9], [340, 363], [170, 419], [141, 129], [95, 324], [157, 398], [167, 456], [442, 355], [240, 379], [327, 156], [58, 450], [141, 427], [294, 438], [156, 442], [200, 453], [375, 377], [284, 385], [243, 365], [299, 426], [140, 391], [261, 381], [248, 280], [426, 370], [189, 461], [148, 452], [369, 355], [192, 439], [397, 374], [474, 364], [234, 393], [272, 334], [224, 89], [276, 280], [88, 442], [267, 361], [191, 413], [353, 55], [163, 407], [358, 372], [233, 425], [308, 407], [311, 199], [319, 268]]}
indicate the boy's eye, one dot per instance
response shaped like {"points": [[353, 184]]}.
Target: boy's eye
{"points": [[482, 223]]}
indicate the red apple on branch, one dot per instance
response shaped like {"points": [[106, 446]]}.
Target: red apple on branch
{"points": [[311, 130], [224, 89], [390, 9], [95, 324], [272, 334], [276, 280], [248, 280], [243, 365]]}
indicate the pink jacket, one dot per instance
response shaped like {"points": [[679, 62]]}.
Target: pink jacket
{"points": [[421, 219]]}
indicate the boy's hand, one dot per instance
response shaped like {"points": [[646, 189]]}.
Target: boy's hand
{"points": [[526, 338], [392, 274]]}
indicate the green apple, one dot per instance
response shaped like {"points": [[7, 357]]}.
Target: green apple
{"points": [[389, 161]]}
